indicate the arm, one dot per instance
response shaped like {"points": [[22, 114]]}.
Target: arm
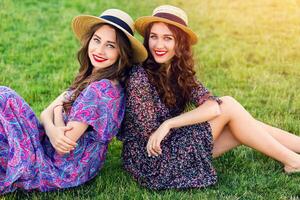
{"points": [[208, 108], [207, 111], [47, 115], [90, 109], [58, 118], [57, 137], [78, 129]]}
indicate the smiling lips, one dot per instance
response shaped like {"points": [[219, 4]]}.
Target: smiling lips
{"points": [[99, 59], [160, 52]]}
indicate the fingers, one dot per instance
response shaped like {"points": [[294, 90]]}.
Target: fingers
{"points": [[61, 151], [69, 142], [66, 144], [61, 147], [156, 146], [61, 143], [67, 128], [152, 152], [148, 147], [153, 147]]}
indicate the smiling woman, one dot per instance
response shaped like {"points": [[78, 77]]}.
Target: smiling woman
{"points": [[103, 49], [161, 43], [68, 147], [164, 146]]}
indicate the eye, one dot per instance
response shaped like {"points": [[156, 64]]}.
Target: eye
{"points": [[153, 36], [168, 38], [95, 39], [110, 46]]}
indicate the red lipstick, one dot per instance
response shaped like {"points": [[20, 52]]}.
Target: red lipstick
{"points": [[160, 53], [98, 58]]}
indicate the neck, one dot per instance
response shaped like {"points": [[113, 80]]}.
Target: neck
{"points": [[166, 67], [94, 70]]}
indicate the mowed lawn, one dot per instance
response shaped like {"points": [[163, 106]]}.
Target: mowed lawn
{"points": [[247, 49]]}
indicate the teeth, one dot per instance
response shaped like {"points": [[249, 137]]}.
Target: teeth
{"points": [[99, 57], [160, 52]]}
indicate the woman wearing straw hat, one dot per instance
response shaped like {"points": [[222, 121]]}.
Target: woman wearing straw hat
{"points": [[69, 147], [165, 147]]}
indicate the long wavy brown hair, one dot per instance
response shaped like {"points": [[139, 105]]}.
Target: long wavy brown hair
{"points": [[117, 71], [175, 86]]}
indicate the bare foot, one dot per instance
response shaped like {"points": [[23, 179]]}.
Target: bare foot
{"points": [[291, 170]]}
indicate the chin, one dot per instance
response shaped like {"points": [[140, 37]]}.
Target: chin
{"points": [[160, 61]]}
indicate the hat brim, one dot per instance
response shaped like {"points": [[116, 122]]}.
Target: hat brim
{"points": [[142, 23], [83, 23]]}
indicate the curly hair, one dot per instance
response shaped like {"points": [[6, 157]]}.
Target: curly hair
{"points": [[117, 71], [175, 87]]}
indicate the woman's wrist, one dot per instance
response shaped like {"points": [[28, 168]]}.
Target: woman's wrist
{"points": [[168, 124], [48, 127]]}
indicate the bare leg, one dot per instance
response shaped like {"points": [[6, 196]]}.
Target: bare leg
{"points": [[226, 141], [246, 130], [289, 140]]}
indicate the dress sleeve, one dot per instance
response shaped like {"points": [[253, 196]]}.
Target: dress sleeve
{"points": [[140, 115], [200, 94], [90, 107]]}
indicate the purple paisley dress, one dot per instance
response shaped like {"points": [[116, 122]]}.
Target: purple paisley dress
{"points": [[186, 156], [27, 159]]}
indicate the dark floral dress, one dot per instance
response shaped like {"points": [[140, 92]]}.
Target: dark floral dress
{"points": [[187, 151]]}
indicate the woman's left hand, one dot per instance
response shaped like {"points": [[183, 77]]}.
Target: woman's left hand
{"points": [[153, 145]]}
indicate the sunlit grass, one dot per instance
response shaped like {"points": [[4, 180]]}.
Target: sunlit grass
{"points": [[246, 49]]}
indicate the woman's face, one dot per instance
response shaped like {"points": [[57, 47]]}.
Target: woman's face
{"points": [[103, 50], [161, 43]]}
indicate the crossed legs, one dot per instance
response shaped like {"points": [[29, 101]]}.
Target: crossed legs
{"points": [[226, 140], [235, 126]]}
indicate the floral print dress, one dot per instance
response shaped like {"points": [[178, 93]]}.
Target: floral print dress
{"points": [[27, 159], [186, 156]]}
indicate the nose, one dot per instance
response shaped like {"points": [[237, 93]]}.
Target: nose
{"points": [[100, 48], [159, 43]]}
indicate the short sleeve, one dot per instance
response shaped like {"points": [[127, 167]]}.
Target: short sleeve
{"points": [[90, 107], [200, 94]]}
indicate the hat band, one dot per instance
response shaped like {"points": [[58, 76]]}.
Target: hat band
{"points": [[171, 17], [119, 22]]}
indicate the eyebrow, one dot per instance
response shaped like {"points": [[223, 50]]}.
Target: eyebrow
{"points": [[101, 39], [163, 35]]}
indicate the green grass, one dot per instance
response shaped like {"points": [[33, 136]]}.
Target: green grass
{"points": [[247, 49]]}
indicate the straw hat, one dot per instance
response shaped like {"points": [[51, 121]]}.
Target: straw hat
{"points": [[167, 14], [117, 18]]}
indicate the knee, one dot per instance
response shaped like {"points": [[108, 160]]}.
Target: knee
{"points": [[5, 89], [229, 102], [6, 93]]}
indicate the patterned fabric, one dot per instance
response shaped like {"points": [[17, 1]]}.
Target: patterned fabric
{"points": [[186, 152], [27, 158]]}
